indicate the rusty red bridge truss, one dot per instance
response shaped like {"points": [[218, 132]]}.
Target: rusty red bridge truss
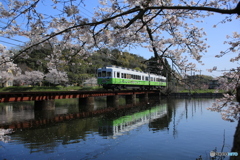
{"points": [[39, 96]]}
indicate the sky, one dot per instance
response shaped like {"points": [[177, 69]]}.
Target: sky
{"points": [[216, 37]]}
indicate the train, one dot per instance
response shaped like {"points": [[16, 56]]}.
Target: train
{"points": [[115, 77]]}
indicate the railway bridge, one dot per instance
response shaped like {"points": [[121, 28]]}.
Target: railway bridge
{"points": [[45, 100]]}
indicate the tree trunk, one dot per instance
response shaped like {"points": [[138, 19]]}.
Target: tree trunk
{"points": [[238, 93], [236, 143]]}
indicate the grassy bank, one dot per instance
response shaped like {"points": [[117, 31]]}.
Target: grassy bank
{"points": [[202, 91], [45, 88]]}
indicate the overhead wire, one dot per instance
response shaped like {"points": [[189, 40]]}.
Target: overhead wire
{"points": [[85, 10], [9, 38], [13, 39], [10, 43]]}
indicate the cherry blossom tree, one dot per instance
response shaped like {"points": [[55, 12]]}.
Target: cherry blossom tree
{"points": [[7, 69], [33, 77], [5, 77], [227, 105], [56, 77], [29, 78], [19, 80]]}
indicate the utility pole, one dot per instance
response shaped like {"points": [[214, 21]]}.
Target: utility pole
{"points": [[200, 78], [191, 82]]}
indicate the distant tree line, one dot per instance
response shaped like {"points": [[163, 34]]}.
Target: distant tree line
{"points": [[81, 67]]}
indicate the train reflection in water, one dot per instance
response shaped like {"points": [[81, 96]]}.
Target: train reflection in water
{"points": [[113, 127], [75, 126]]}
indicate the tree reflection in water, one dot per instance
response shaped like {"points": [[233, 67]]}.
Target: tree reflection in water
{"points": [[181, 126]]}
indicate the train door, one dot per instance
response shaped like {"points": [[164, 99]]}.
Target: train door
{"points": [[116, 77], [115, 74], [109, 76]]}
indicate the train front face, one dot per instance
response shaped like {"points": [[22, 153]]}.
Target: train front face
{"points": [[105, 77]]}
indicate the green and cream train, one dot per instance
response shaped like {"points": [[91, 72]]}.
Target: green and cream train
{"points": [[114, 77]]}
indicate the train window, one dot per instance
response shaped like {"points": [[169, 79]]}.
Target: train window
{"points": [[123, 75], [118, 74], [128, 76], [103, 73], [151, 78], [109, 74], [146, 78], [99, 74], [143, 78]]}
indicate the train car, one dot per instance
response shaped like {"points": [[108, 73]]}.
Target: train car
{"points": [[114, 77]]}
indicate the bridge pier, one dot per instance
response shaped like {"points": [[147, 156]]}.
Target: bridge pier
{"points": [[113, 101], [86, 104], [44, 114], [44, 105], [155, 96], [131, 99], [143, 97]]}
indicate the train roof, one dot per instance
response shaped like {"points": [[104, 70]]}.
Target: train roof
{"points": [[118, 68]]}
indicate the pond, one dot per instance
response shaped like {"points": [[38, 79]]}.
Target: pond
{"points": [[181, 129]]}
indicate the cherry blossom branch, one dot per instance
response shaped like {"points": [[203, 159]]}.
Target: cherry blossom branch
{"points": [[130, 11], [199, 8]]}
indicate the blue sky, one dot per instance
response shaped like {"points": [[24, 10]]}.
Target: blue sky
{"points": [[216, 37]]}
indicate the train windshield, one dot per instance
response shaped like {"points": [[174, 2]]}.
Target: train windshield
{"points": [[104, 74]]}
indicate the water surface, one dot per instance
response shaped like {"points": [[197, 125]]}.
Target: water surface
{"points": [[179, 129]]}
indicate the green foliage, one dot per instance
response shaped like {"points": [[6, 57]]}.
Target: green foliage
{"points": [[35, 61], [159, 66], [196, 82], [198, 79], [118, 58], [202, 91]]}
